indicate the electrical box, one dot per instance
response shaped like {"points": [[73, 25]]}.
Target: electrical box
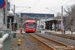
{"points": [[1, 34], [9, 32], [14, 35]]}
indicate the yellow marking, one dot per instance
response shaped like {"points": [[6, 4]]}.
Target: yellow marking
{"points": [[70, 33], [19, 40], [19, 43]]}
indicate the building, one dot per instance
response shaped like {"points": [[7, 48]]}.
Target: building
{"points": [[41, 24], [49, 24], [1, 19], [38, 15], [2, 15]]}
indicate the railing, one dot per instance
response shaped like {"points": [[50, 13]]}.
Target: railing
{"points": [[1, 46], [2, 40]]}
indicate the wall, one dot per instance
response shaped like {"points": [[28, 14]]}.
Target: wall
{"points": [[1, 19]]}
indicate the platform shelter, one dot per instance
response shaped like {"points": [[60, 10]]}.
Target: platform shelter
{"points": [[52, 23]]}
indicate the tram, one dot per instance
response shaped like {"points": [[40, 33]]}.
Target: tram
{"points": [[30, 26]]}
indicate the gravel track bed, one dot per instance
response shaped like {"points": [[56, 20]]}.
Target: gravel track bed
{"points": [[31, 44], [64, 40], [63, 36], [14, 43], [56, 33], [55, 45], [70, 35]]}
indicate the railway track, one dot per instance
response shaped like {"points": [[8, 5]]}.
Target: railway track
{"points": [[51, 44], [62, 35]]}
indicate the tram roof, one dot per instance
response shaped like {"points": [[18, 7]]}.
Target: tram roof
{"points": [[30, 21]]}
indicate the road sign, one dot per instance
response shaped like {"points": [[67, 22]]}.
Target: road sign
{"points": [[2, 4], [64, 21]]}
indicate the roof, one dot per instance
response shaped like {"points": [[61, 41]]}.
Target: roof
{"points": [[30, 21], [37, 15], [51, 19]]}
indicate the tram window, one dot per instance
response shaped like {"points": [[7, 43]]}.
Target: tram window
{"points": [[31, 25]]}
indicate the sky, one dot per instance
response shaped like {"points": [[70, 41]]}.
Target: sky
{"points": [[40, 6]]}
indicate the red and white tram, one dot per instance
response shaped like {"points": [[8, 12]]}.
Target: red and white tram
{"points": [[30, 26]]}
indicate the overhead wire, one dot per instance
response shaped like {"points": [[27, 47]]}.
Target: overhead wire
{"points": [[55, 6], [58, 7], [23, 10], [22, 6], [35, 5], [68, 2], [51, 10], [19, 7], [58, 4], [62, 5]]}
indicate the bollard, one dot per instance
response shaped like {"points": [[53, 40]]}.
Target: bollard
{"points": [[70, 33], [20, 30], [64, 31], [19, 42], [14, 35]]}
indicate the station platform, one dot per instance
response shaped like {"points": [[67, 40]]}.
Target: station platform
{"points": [[59, 32], [18, 31]]}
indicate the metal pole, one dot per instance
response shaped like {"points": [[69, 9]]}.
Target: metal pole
{"points": [[72, 25], [17, 23], [10, 23], [21, 24], [14, 18], [45, 16], [45, 19], [5, 14], [62, 28]]}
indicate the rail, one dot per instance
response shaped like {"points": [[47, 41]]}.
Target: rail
{"points": [[45, 44], [55, 41]]}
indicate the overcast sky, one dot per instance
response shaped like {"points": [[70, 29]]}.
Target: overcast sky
{"points": [[39, 6]]}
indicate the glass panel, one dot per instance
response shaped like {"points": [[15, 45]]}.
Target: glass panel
{"points": [[31, 25]]}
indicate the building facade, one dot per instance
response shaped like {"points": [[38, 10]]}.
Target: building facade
{"points": [[2, 15]]}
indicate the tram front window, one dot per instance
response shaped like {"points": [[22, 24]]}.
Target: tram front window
{"points": [[30, 25]]}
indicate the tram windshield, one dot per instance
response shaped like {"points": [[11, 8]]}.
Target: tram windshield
{"points": [[31, 25]]}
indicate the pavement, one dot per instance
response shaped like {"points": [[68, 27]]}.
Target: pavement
{"points": [[18, 31]]}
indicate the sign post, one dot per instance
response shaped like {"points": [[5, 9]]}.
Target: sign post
{"points": [[62, 19], [2, 4], [64, 22], [72, 25]]}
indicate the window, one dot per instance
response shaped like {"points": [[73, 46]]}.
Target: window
{"points": [[31, 25]]}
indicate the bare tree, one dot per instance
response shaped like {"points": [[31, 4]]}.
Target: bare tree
{"points": [[70, 13]]}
